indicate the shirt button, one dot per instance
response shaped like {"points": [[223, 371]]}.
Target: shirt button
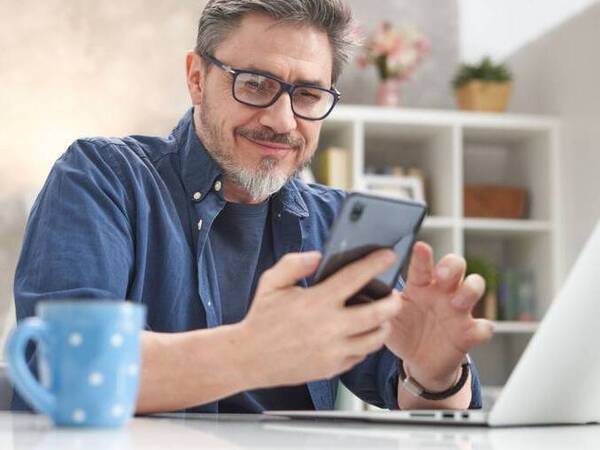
{"points": [[199, 225], [218, 185], [209, 303], [197, 195]]}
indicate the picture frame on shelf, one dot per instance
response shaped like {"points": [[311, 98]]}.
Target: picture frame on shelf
{"points": [[408, 187]]}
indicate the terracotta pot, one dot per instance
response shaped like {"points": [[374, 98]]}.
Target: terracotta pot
{"points": [[489, 96], [388, 92]]}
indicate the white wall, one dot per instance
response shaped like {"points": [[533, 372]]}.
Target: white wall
{"points": [[79, 68], [430, 86], [551, 46], [559, 74], [500, 27]]}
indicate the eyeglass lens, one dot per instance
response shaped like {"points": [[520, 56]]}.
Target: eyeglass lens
{"points": [[258, 90]]}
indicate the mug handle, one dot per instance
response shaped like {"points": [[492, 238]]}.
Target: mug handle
{"points": [[40, 398]]}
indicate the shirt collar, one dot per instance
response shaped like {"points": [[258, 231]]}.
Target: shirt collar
{"points": [[291, 200], [200, 171]]}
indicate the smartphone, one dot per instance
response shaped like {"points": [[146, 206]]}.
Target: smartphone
{"points": [[367, 223]]}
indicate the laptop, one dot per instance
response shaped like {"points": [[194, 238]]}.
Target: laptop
{"points": [[557, 379]]}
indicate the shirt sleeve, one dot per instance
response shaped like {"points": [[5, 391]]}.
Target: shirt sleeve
{"points": [[375, 381], [78, 240]]}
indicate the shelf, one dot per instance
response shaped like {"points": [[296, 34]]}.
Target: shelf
{"points": [[438, 222], [513, 327], [441, 117], [522, 159], [426, 147], [506, 226], [385, 180], [454, 149]]}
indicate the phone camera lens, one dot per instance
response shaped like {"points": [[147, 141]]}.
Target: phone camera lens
{"points": [[356, 212]]}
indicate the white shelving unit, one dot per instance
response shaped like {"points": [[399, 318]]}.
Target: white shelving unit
{"points": [[511, 327], [453, 148]]}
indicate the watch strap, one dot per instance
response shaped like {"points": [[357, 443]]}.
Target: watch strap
{"points": [[414, 388]]}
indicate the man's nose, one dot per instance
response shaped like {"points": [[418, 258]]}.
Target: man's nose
{"points": [[279, 116]]}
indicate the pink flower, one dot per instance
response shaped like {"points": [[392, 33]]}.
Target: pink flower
{"points": [[402, 50], [423, 46]]}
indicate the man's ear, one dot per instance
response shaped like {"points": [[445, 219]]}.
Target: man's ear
{"points": [[194, 77]]}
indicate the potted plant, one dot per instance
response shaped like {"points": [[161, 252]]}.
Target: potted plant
{"points": [[488, 305], [483, 87]]}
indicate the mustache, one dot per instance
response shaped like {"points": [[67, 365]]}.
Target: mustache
{"points": [[268, 135]]}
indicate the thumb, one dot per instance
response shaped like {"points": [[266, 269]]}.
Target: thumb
{"points": [[288, 271]]}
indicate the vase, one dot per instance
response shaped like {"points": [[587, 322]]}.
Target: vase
{"points": [[388, 92]]}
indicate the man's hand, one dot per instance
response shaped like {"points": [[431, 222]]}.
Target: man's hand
{"points": [[294, 335], [434, 328]]}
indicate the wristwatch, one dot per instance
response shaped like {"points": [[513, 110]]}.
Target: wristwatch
{"points": [[414, 388]]}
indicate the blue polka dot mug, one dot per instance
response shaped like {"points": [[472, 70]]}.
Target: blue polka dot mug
{"points": [[88, 356]]}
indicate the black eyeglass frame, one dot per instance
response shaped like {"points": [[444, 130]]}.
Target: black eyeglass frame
{"points": [[284, 87]]}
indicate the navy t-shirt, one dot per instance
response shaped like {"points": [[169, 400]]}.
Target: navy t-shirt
{"points": [[242, 244]]}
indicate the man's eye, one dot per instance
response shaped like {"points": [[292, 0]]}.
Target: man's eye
{"points": [[260, 85], [253, 84], [308, 95]]}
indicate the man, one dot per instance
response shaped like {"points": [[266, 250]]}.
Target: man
{"points": [[212, 232]]}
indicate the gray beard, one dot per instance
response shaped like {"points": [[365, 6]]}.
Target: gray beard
{"points": [[259, 183]]}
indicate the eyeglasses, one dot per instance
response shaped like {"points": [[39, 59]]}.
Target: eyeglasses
{"points": [[261, 90]]}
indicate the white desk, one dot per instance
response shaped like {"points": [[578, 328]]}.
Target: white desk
{"points": [[199, 432]]}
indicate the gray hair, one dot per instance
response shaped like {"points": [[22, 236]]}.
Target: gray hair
{"points": [[334, 17]]}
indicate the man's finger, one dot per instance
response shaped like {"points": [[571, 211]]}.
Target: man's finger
{"points": [[420, 270], [469, 293], [369, 342], [481, 332], [450, 272], [363, 318], [351, 278], [288, 271]]}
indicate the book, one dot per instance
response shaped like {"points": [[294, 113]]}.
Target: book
{"points": [[516, 295], [490, 306], [332, 168], [526, 310]]}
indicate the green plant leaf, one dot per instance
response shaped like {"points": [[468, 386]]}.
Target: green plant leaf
{"points": [[486, 70], [487, 270]]}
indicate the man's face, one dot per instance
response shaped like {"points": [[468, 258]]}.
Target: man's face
{"points": [[260, 148]]}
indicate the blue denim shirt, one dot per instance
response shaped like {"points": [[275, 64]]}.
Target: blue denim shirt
{"points": [[122, 218]]}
